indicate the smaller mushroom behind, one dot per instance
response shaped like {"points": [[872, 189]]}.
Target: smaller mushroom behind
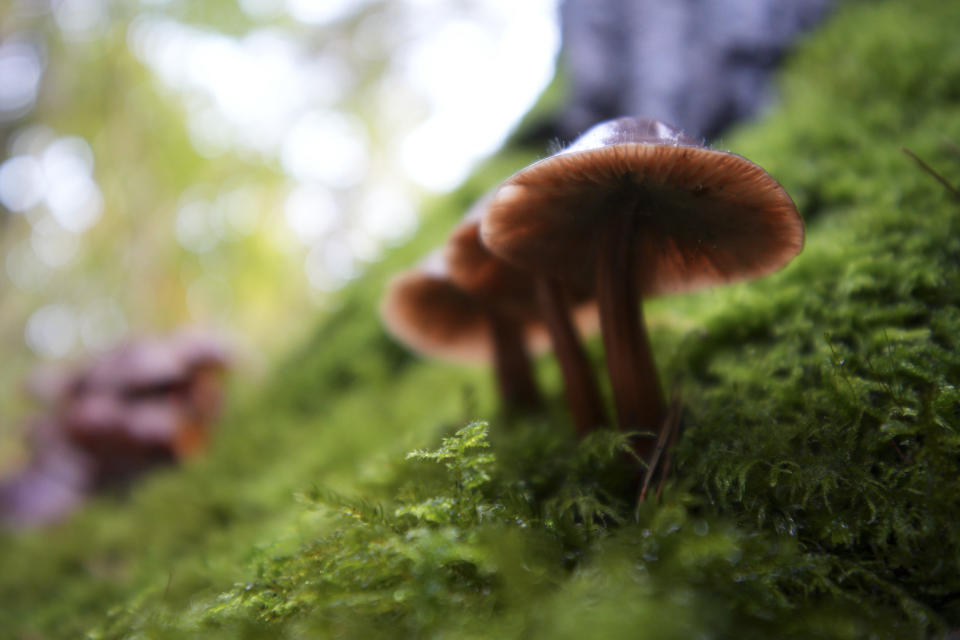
{"points": [[474, 269], [426, 311]]}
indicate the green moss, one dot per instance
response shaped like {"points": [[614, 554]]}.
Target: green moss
{"points": [[814, 485]]}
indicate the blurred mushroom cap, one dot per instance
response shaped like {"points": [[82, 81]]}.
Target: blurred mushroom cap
{"points": [[198, 348], [139, 364], [426, 311]]}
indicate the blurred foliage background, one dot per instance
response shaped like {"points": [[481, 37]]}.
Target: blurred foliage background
{"points": [[230, 163]]}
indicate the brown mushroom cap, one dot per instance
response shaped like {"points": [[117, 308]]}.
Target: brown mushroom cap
{"points": [[426, 311], [700, 217], [473, 268]]}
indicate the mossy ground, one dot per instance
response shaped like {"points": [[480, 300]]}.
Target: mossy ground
{"points": [[815, 486]]}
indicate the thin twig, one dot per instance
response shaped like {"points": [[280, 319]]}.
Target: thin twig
{"points": [[923, 165], [654, 459], [674, 434], [665, 438]]}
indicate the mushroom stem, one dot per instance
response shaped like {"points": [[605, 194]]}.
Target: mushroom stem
{"points": [[633, 376], [511, 362], [579, 383]]}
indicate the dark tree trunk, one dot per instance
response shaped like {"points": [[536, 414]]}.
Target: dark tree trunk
{"points": [[700, 65]]}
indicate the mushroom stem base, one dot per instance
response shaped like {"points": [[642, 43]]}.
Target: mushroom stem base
{"points": [[579, 383], [633, 375], [512, 365]]}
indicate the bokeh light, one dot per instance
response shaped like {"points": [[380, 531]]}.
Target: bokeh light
{"points": [[59, 177], [21, 183], [21, 67], [199, 227], [311, 212], [52, 244], [157, 168], [51, 331], [80, 20], [25, 269], [102, 324]]}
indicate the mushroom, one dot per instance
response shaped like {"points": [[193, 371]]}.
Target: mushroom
{"points": [[477, 271], [426, 311], [101, 409], [641, 209], [150, 401]]}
